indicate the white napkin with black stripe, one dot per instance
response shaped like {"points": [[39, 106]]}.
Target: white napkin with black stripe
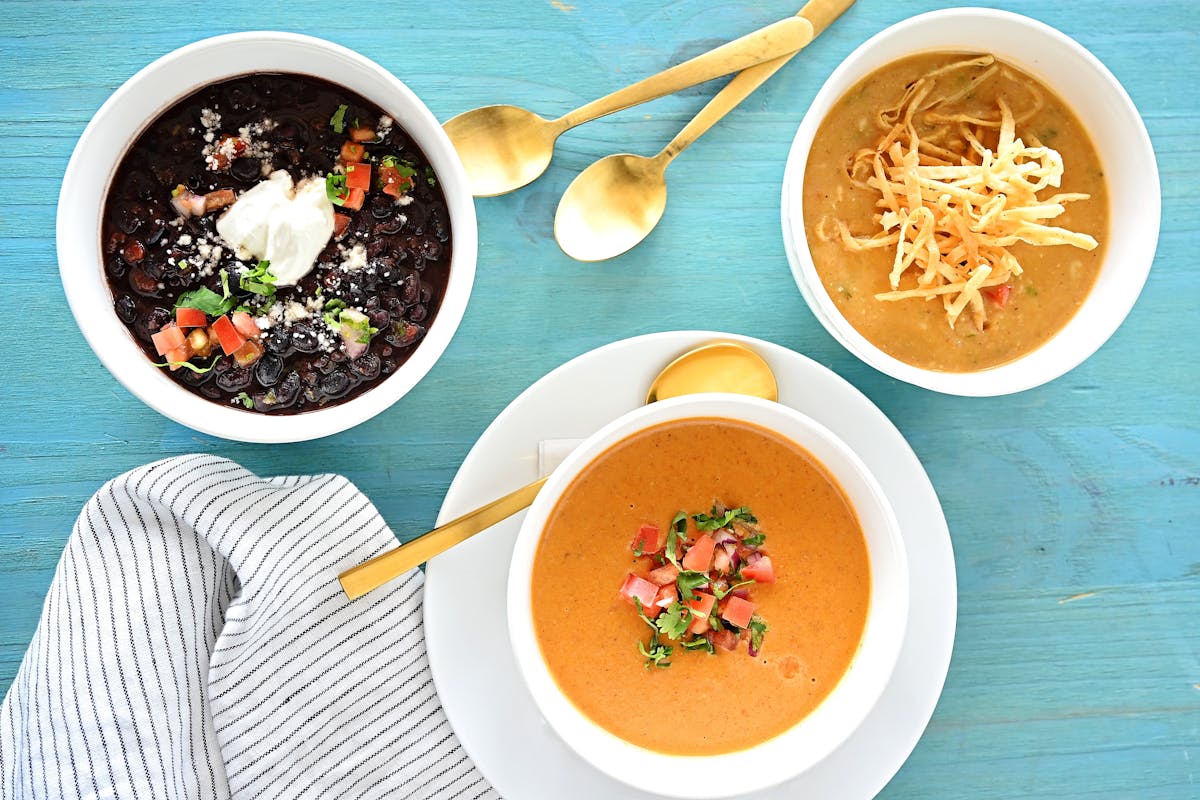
{"points": [[195, 644]]}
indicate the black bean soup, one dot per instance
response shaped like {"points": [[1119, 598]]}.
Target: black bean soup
{"points": [[208, 312]]}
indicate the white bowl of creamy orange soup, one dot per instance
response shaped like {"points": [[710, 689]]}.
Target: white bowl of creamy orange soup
{"points": [[708, 596], [971, 203]]}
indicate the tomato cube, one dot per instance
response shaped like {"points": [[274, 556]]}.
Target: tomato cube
{"points": [[245, 325], [700, 607], [190, 318], [353, 152], [355, 199], [998, 294], [250, 352], [760, 571], [227, 335], [168, 338], [737, 612], [663, 575], [699, 555], [358, 176], [640, 589], [363, 134], [666, 595], [725, 639], [177, 356], [340, 223], [393, 182], [648, 540]]}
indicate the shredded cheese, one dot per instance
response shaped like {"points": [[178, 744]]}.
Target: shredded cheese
{"points": [[951, 206]]}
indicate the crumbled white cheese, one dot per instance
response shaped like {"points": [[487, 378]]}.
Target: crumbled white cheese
{"points": [[353, 258], [295, 311], [384, 125]]}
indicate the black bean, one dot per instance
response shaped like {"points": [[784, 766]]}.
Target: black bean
{"points": [[143, 282], [418, 313], [268, 369], [235, 379], [403, 334], [382, 207], [410, 289], [390, 226], [116, 267], [126, 309], [366, 366], [335, 384], [304, 339], [379, 318], [150, 322], [129, 218], [285, 394], [247, 170], [278, 341], [426, 295]]}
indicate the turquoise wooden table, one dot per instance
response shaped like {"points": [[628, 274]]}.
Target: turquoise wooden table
{"points": [[1074, 508]]}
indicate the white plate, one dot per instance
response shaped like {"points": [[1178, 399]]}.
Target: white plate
{"points": [[465, 629]]}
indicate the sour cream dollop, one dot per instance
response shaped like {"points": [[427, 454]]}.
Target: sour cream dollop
{"points": [[281, 223]]}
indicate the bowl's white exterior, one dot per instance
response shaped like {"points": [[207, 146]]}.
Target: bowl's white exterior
{"points": [[797, 749], [138, 102], [1125, 153]]}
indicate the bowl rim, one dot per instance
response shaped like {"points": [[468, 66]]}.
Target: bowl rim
{"points": [[86, 287], [1044, 363], [775, 760]]}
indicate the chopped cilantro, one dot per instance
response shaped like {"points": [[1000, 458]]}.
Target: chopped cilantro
{"points": [[688, 581], [699, 643], [206, 300], [637, 550], [343, 319], [642, 613], [678, 528], [717, 520], [182, 266], [338, 120], [720, 595], [259, 280], [656, 655], [430, 178], [714, 622], [245, 399], [755, 540], [673, 622], [335, 189]]}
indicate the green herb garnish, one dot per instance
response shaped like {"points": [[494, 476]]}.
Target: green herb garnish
{"points": [[245, 399], [641, 609], [656, 655], [338, 317], [717, 520], [699, 643], [755, 540], [720, 595], [335, 189], [430, 178], [182, 266], [677, 529], [259, 280], [673, 622], [688, 581], [338, 120], [205, 300]]}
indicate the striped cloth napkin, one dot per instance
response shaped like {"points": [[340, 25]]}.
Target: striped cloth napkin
{"points": [[195, 644]]}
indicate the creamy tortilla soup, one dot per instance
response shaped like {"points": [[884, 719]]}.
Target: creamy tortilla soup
{"points": [[956, 211], [700, 587]]}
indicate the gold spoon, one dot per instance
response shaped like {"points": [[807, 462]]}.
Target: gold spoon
{"points": [[505, 147], [614, 204], [714, 367]]}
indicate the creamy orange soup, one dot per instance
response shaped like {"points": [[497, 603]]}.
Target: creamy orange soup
{"points": [[1056, 278], [702, 704]]}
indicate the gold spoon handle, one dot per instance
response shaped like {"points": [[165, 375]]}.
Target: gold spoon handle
{"points": [[779, 38], [369, 575], [816, 16]]}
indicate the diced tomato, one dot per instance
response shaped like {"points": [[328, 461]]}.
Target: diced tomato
{"points": [[190, 318], [177, 356], [648, 540], [340, 223], [666, 595], [168, 338], [737, 612], [231, 341], [363, 134], [219, 199], [393, 182], [639, 588], [760, 571], [699, 555], [354, 200], [998, 294], [724, 639], [663, 575], [248, 353], [358, 176], [352, 152], [245, 325], [701, 607]]}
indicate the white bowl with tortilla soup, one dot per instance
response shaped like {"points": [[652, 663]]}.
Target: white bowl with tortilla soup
{"points": [[708, 596], [971, 203]]}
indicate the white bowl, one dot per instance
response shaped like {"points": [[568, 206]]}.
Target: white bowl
{"points": [[814, 737], [117, 125], [1116, 130]]}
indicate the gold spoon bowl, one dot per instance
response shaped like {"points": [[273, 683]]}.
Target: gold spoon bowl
{"points": [[715, 367]]}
